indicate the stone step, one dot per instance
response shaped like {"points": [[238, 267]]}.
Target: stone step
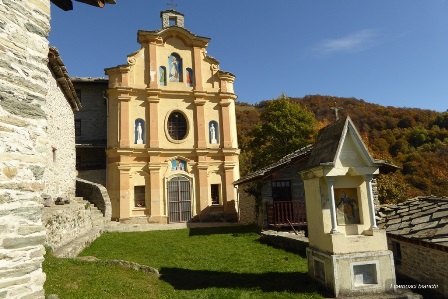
{"points": [[73, 248]]}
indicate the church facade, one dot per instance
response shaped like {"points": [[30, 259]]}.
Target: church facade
{"points": [[172, 151]]}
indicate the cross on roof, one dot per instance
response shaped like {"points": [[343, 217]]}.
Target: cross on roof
{"points": [[336, 110], [172, 4]]}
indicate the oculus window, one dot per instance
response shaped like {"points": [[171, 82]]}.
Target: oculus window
{"points": [[177, 126]]}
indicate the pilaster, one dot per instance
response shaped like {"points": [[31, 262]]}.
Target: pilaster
{"points": [[124, 193], [152, 123], [123, 101], [204, 207], [156, 196], [197, 52], [230, 192], [225, 113], [201, 140]]}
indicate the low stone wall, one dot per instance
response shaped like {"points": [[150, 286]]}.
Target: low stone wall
{"points": [[96, 194], [424, 266], [285, 240], [67, 222]]}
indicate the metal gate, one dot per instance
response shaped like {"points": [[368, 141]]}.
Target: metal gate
{"points": [[179, 200]]}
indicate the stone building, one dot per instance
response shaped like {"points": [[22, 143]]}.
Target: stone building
{"points": [[25, 144], [60, 172], [281, 192], [91, 129], [172, 144], [417, 234]]}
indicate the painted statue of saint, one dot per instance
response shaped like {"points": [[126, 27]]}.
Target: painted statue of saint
{"points": [[174, 71]]}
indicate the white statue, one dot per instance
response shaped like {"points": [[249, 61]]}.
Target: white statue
{"points": [[139, 134], [213, 135]]}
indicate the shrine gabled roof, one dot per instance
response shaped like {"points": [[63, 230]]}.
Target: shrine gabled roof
{"points": [[421, 220], [329, 141]]}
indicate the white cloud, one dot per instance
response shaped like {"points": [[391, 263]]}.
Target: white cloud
{"points": [[352, 43]]}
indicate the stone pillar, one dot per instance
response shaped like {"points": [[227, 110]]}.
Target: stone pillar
{"points": [[152, 122], [124, 121], [125, 194], [225, 113], [334, 223], [201, 127], [197, 68], [368, 179], [203, 198]]}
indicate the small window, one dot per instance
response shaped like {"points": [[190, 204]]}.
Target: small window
{"points": [[139, 196], [78, 94], [396, 250], [281, 190], [77, 127], [214, 191], [177, 126]]}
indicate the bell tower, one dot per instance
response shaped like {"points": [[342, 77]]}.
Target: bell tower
{"points": [[172, 17]]}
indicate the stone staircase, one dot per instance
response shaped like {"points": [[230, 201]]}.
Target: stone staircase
{"points": [[93, 231]]}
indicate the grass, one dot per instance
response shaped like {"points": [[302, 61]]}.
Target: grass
{"points": [[193, 263]]}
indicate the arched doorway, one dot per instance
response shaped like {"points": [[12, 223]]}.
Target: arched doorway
{"points": [[179, 199]]}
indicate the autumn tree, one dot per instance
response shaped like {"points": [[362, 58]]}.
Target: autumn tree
{"points": [[286, 126]]}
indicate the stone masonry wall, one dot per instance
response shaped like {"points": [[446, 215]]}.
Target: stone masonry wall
{"points": [[96, 194], [425, 265], [65, 223], [60, 174], [24, 26], [93, 114]]}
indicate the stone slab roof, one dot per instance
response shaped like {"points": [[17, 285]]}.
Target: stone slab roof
{"points": [[421, 219], [59, 70], [301, 153]]}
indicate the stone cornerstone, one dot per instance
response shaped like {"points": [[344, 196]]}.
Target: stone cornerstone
{"points": [[24, 75]]}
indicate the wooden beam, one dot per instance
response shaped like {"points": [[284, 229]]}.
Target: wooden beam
{"points": [[65, 5], [97, 3]]}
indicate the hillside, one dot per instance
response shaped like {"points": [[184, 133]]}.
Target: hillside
{"points": [[416, 140]]}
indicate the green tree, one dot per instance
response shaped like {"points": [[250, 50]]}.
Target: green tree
{"points": [[286, 126]]}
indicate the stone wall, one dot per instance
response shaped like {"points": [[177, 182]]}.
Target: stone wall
{"points": [[93, 114], [97, 176], [96, 194], [423, 265], [60, 173], [67, 222], [24, 26], [247, 207]]}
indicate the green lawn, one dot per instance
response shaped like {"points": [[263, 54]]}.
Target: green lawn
{"points": [[193, 263]]}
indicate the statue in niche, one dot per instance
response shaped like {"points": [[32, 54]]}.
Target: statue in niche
{"points": [[162, 76], [213, 134], [139, 133], [174, 70]]}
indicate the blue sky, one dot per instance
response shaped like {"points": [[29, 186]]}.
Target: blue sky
{"points": [[392, 53]]}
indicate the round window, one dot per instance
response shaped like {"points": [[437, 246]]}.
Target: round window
{"points": [[177, 126]]}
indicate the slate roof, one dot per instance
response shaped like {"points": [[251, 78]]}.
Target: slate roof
{"points": [[59, 70], [301, 153], [421, 220]]}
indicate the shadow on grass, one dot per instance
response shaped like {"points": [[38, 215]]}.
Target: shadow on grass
{"points": [[205, 231], [295, 282]]}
